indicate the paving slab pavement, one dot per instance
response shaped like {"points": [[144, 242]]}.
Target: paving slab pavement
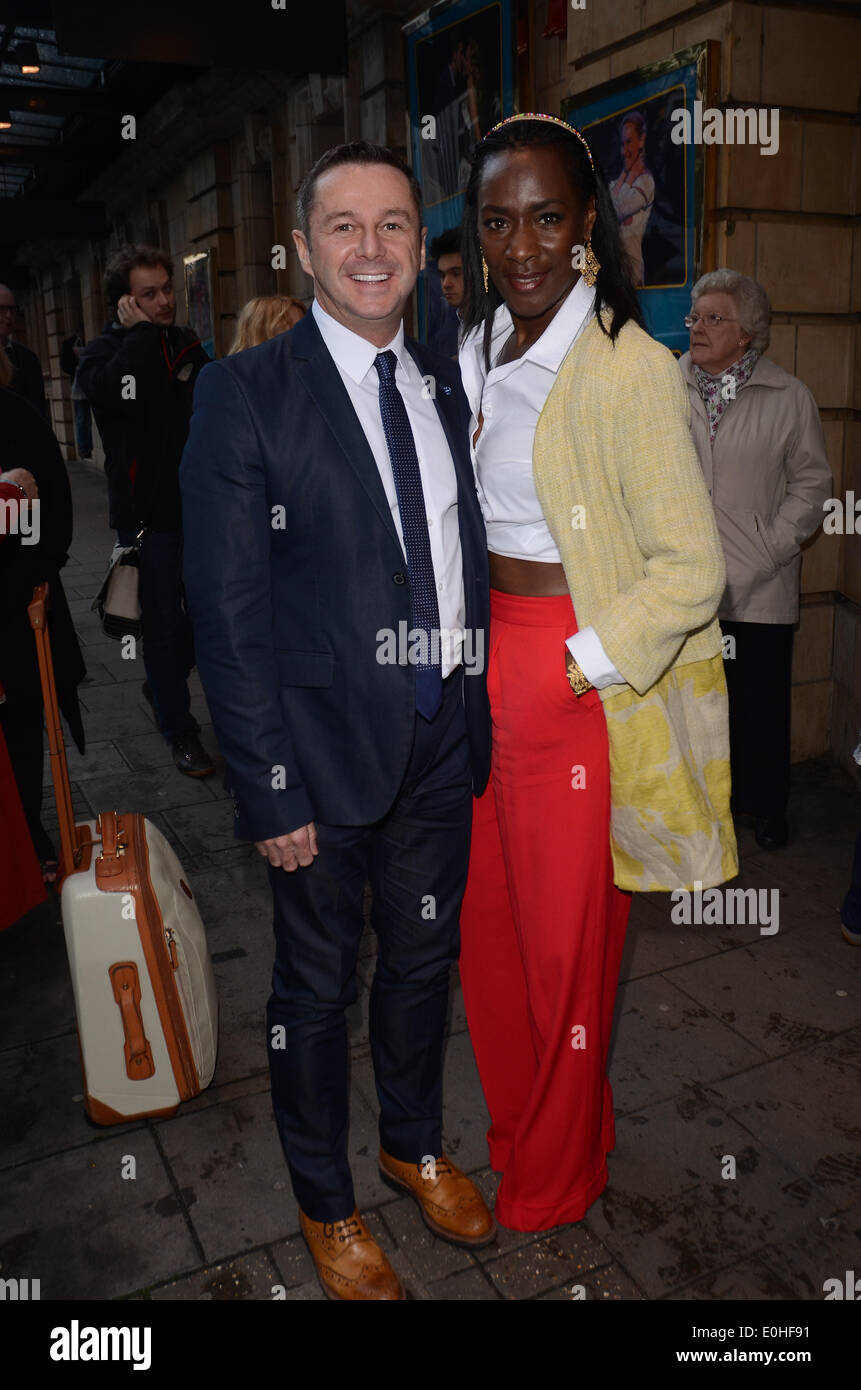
{"points": [[727, 1043]]}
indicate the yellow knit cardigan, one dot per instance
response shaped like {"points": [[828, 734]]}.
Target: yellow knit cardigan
{"points": [[622, 492]]}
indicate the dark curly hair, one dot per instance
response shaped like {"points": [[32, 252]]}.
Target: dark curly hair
{"points": [[126, 259], [446, 244], [615, 286]]}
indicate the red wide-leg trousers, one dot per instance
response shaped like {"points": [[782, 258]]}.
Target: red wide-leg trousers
{"points": [[542, 925]]}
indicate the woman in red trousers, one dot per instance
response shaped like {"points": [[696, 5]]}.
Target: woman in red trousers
{"points": [[542, 926], [550, 302]]}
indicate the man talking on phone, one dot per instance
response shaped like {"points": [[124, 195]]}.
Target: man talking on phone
{"points": [[139, 376]]}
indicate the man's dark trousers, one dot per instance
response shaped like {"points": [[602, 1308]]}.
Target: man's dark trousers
{"points": [[168, 643], [416, 859]]}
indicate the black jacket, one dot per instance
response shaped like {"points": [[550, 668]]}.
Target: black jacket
{"points": [[26, 441], [27, 380], [285, 618], [140, 382]]}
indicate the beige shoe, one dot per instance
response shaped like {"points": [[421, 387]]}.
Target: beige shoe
{"points": [[350, 1263], [450, 1203]]}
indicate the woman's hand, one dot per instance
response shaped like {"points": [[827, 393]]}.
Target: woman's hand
{"points": [[576, 679], [22, 477]]}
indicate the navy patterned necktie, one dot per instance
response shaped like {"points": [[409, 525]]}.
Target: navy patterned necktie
{"points": [[424, 609]]}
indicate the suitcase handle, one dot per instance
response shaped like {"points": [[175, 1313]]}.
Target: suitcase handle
{"points": [[70, 853], [109, 831], [127, 992]]}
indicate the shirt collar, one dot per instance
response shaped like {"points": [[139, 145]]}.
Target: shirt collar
{"points": [[352, 353], [551, 348]]}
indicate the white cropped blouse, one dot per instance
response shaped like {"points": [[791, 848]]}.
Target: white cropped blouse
{"points": [[510, 398]]}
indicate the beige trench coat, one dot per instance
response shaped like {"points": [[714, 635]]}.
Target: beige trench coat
{"points": [[767, 474]]}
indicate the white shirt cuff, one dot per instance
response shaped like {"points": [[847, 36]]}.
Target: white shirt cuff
{"points": [[588, 651]]}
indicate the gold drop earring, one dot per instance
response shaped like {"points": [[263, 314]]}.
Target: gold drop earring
{"points": [[484, 271], [592, 266]]}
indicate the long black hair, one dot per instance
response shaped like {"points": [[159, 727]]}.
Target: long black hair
{"points": [[614, 286]]}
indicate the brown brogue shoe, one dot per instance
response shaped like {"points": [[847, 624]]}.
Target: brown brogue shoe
{"points": [[450, 1203], [350, 1263]]}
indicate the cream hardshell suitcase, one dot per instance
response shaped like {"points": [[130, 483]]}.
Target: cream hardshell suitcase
{"points": [[142, 977]]}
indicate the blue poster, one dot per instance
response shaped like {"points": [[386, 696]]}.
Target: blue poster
{"points": [[460, 71], [657, 185]]}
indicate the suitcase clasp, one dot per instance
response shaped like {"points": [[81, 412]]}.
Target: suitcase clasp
{"points": [[171, 947], [113, 843]]}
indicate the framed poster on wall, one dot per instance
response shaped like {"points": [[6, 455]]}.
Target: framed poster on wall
{"points": [[460, 72], [662, 190], [199, 271]]}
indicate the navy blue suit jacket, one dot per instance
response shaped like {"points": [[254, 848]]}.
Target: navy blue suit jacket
{"points": [[292, 566]]}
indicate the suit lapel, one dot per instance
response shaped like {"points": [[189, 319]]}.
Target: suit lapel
{"points": [[322, 380]]}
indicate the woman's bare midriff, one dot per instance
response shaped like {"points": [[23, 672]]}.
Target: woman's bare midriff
{"points": [[529, 578]]}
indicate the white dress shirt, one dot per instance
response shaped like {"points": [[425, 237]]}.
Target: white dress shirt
{"points": [[511, 397], [354, 357]]}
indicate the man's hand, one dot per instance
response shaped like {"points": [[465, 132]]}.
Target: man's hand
{"points": [[289, 851], [23, 478], [129, 312]]}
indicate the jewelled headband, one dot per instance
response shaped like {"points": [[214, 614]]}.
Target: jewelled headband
{"points": [[554, 120]]}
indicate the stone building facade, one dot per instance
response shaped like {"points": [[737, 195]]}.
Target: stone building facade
{"points": [[790, 220], [216, 163]]}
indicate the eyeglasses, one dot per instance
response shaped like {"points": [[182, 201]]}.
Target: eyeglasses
{"points": [[7, 309], [710, 320]]}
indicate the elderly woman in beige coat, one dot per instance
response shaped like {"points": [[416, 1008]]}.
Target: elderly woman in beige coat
{"points": [[761, 447]]}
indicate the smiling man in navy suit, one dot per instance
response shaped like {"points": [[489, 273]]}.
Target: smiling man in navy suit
{"points": [[336, 574]]}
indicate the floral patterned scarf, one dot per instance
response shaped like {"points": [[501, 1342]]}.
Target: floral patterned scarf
{"points": [[718, 391]]}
